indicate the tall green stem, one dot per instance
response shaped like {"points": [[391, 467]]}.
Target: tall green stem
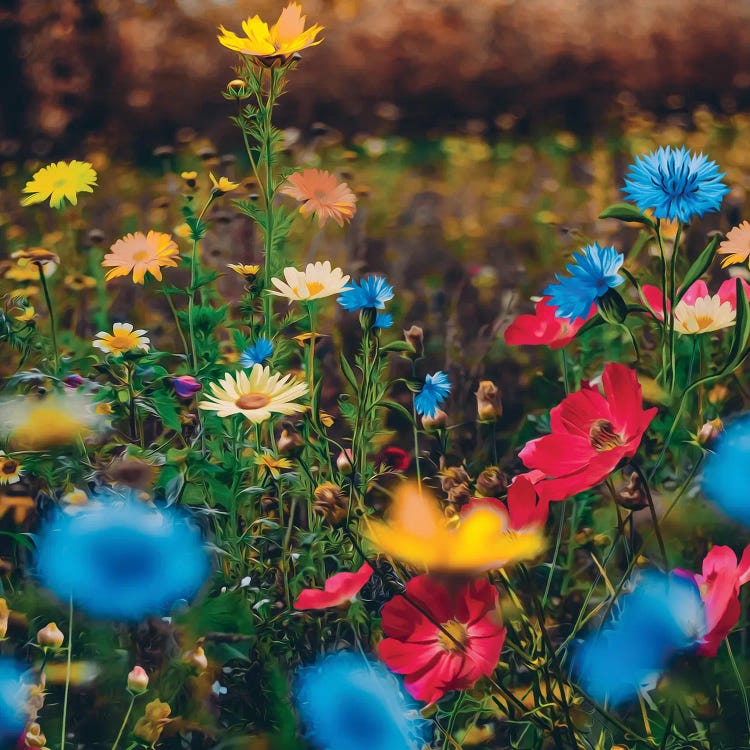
{"points": [[50, 310], [124, 722], [67, 677]]}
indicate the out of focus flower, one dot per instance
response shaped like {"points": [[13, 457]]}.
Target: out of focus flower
{"points": [[140, 254], [392, 458], [257, 396], [248, 271], [137, 680], [465, 647], [368, 294], [719, 586], [590, 435], [418, 533], [726, 475], [36, 256], [121, 560], [318, 280], [347, 702], [675, 184], [50, 636], [661, 617], [287, 36], [4, 617], [491, 482], [709, 431], [544, 327], [330, 503], [434, 391], [10, 469], [150, 726], [74, 380], [34, 423], [344, 461], [131, 472], [189, 177], [76, 498], [436, 421], [122, 339], [257, 353], [196, 657], [415, 336], [290, 442], [185, 386], [340, 588], [633, 495], [60, 182], [34, 737], [592, 274], [489, 402], [736, 246], [222, 186], [78, 282], [322, 195], [13, 711]]}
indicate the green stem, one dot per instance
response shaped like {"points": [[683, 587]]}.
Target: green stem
{"points": [[415, 428], [311, 350], [52, 326], [67, 676], [558, 541], [124, 722], [740, 684], [665, 311], [176, 319], [672, 303]]}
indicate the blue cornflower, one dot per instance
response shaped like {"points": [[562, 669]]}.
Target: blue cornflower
{"points": [[434, 391], [383, 320], [592, 274], [369, 294], [257, 353], [13, 694], [121, 560], [675, 184], [347, 702]]}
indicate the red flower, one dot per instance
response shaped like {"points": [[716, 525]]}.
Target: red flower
{"points": [[543, 327], [431, 661], [394, 458], [719, 586], [590, 435], [524, 507], [338, 589]]}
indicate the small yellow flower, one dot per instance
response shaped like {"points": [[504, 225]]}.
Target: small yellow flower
{"points": [[326, 419], [122, 339], [150, 726], [24, 271], [104, 408], [140, 254], [75, 497], [20, 505], [318, 280], [184, 231], [272, 465], [189, 177], [10, 469], [37, 256], [60, 182], [248, 271], [78, 282], [222, 185], [27, 313]]}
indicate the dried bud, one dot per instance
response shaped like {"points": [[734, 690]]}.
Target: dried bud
{"points": [[132, 472], [452, 477], [329, 502], [459, 495], [491, 482], [415, 337], [436, 422], [633, 495], [290, 443], [137, 680], [50, 636], [34, 736], [710, 431], [196, 658], [489, 402], [344, 461], [150, 726]]}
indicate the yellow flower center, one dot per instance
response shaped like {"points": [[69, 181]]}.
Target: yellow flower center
{"points": [[603, 437], [122, 342], [313, 287], [453, 637], [9, 467], [703, 321], [141, 255], [252, 401]]}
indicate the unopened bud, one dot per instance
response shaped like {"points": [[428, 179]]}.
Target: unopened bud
{"points": [[437, 421], [196, 658], [452, 477], [633, 495], [491, 482], [329, 502], [290, 443], [50, 636], [489, 402], [137, 680], [34, 737], [710, 431], [415, 337], [344, 461], [612, 307], [4, 617]]}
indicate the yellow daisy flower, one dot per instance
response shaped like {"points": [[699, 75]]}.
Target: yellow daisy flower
{"points": [[287, 36], [10, 469], [257, 396], [78, 282], [36, 256], [736, 246], [272, 465], [122, 339], [318, 280], [60, 182], [248, 271], [141, 254], [706, 314], [222, 185]]}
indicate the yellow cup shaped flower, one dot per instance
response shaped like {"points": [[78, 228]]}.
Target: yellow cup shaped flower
{"points": [[60, 182]]}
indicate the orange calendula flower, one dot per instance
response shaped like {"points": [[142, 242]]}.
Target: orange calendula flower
{"points": [[736, 246], [418, 533], [321, 194], [287, 36], [140, 254]]}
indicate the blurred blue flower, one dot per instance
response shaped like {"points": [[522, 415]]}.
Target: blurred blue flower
{"points": [[435, 390], [383, 320], [592, 274], [121, 560], [726, 477], [257, 353], [369, 294], [661, 617], [13, 694], [675, 184], [347, 702]]}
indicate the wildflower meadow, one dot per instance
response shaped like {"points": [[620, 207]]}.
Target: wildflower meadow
{"points": [[262, 488]]}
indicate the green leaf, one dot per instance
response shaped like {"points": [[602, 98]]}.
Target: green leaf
{"points": [[699, 267], [398, 346], [741, 328], [198, 228], [396, 407], [349, 373], [626, 212], [597, 320], [166, 406]]}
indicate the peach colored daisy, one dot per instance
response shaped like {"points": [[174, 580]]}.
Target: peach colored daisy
{"points": [[321, 194], [140, 254], [736, 246]]}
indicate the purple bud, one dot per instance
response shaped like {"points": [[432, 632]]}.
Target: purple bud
{"points": [[185, 386], [73, 381]]}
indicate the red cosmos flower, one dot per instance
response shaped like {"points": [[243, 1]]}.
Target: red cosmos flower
{"points": [[524, 507], [590, 435], [431, 661], [543, 327], [394, 458], [719, 586], [338, 589]]}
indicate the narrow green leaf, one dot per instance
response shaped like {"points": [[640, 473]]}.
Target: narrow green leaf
{"points": [[396, 407], [397, 346], [699, 267], [349, 373], [626, 212]]}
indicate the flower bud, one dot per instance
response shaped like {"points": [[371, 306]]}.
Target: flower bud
{"points": [[344, 461], [196, 658], [491, 482], [633, 495], [185, 386], [415, 337], [612, 307], [489, 402], [236, 89], [710, 431], [452, 477], [33, 736], [436, 422], [329, 502], [50, 636], [137, 680], [290, 443]]}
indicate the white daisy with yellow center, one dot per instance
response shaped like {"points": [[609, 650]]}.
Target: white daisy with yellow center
{"points": [[256, 396], [318, 280], [706, 314], [122, 339]]}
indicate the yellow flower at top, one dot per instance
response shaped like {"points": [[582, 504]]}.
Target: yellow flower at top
{"points": [[222, 185], [141, 254], [10, 469], [122, 339], [60, 182], [321, 194], [287, 36], [318, 280], [736, 246]]}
